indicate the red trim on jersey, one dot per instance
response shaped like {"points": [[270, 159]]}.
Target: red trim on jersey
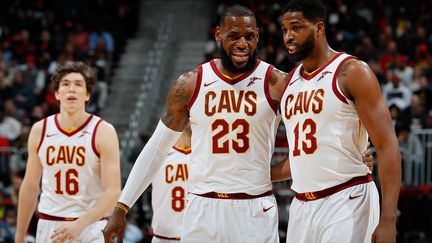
{"points": [[233, 196], [183, 150], [94, 138], [334, 82], [56, 218], [316, 72], [74, 131], [165, 238], [43, 134], [288, 81], [236, 80], [197, 87], [311, 196], [272, 104]]}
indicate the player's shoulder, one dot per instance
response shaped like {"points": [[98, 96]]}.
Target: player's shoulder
{"points": [[353, 66], [38, 126], [105, 127]]}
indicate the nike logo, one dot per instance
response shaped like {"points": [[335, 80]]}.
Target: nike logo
{"points": [[208, 84], [353, 197], [293, 82], [50, 135], [267, 209]]}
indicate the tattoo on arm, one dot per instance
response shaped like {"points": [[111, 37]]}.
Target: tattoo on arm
{"points": [[344, 68], [177, 101]]}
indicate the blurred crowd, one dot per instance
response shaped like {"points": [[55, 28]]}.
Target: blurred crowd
{"points": [[35, 37]]}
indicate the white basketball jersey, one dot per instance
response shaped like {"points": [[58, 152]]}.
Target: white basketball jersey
{"points": [[233, 124], [325, 135], [169, 192], [71, 181]]}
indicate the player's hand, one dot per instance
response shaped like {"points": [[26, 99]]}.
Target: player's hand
{"points": [[67, 232], [115, 227], [368, 158], [385, 232]]}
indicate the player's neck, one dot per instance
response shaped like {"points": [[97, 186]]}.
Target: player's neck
{"points": [[70, 121], [318, 58], [227, 74]]}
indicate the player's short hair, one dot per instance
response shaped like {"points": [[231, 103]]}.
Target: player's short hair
{"points": [[313, 10], [76, 67], [235, 11]]}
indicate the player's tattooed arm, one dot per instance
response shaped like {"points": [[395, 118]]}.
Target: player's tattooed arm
{"points": [[277, 84], [176, 113]]}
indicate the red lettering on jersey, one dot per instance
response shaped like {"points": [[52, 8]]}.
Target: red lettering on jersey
{"points": [[304, 103], [229, 102], [298, 105], [168, 177], [80, 160], [65, 155], [70, 154], [236, 103], [317, 106], [211, 95], [224, 102], [180, 172], [50, 160], [288, 106], [251, 103], [306, 100], [61, 155]]}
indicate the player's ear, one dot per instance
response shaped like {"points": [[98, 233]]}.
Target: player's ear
{"points": [[218, 34], [320, 28]]}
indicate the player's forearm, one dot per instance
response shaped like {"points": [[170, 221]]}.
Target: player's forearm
{"points": [[148, 163], [280, 171], [26, 206], [389, 169], [103, 206]]}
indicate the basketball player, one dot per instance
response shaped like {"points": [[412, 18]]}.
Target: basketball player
{"points": [[232, 106], [331, 99], [76, 155], [169, 190]]}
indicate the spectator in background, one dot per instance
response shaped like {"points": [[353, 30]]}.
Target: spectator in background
{"points": [[101, 38], [412, 153], [9, 126], [395, 92], [424, 92], [423, 60], [22, 92], [403, 71], [414, 116]]}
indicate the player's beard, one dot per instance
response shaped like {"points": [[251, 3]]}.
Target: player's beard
{"points": [[228, 64], [304, 50]]}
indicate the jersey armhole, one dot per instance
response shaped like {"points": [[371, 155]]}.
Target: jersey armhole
{"points": [[266, 89], [94, 138], [43, 134], [197, 87], [335, 85]]}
